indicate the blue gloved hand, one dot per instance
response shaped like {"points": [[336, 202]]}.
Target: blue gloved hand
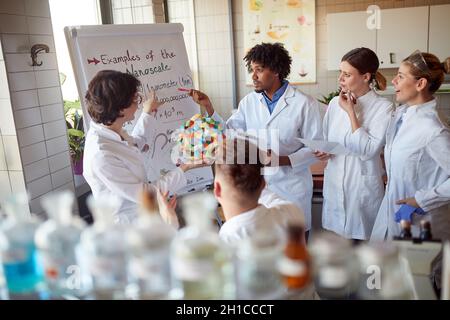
{"points": [[405, 212]]}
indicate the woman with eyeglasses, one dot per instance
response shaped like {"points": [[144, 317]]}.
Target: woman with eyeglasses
{"points": [[417, 152], [357, 119], [113, 160]]}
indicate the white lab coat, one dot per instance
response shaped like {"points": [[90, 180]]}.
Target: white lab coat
{"points": [[272, 213], [116, 167], [418, 165], [353, 186], [296, 115]]}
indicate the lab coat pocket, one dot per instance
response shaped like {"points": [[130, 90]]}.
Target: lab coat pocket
{"points": [[288, 128], [371, 192], [410, 168]]}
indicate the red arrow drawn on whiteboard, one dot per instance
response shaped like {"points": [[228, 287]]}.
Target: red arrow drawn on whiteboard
{"points": [[93, 60]]}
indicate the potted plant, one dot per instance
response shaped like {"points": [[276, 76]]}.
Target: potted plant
{"points": [[74, 122], [326, 99]]}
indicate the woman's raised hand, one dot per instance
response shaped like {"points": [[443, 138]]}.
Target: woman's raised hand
{"points": [[152, 104], [347, 101]]}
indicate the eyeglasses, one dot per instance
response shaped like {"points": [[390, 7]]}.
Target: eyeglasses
{"points": [[418, 61], [138, 98]]}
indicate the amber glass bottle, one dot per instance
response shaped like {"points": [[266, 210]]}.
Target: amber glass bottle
{"points": [[295, 265]]}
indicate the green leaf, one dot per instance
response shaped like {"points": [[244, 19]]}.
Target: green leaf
{"points": [[76, 133]]}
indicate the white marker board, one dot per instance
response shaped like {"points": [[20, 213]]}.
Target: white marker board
{"points": [[156, 55]]}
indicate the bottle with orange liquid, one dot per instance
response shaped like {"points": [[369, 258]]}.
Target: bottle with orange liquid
{"points": [[295, 265]]}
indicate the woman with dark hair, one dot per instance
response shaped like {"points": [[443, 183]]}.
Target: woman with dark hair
{"points": [[357, 119], [113, 161], [417, 152]]}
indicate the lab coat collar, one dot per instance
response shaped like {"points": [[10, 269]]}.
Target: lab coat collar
{"points": [[419, 109], [282, 103], [243, 217], [369, 96], [105, 132]]}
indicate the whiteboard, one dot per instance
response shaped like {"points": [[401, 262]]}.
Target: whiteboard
{"points": [[156, 55]]}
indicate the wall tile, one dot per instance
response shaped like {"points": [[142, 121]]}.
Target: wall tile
{"points": [[68, 186], [37, 8], [30, 135], [16, 43], [6, 118], [12, 7], [12, 154], [40, 186], [55, 129], [5, 186], [62, 177], [18, 62], [24, 99], [52, 112], [13, 24], [49, 96], [48, 40], [17, 181], [36, 206], [27, 118], [57, 145], [21, 81], [59, 161], [4, 87], [33, 153], [37, 25], [36, 170], [45, 79], [3, 166]]}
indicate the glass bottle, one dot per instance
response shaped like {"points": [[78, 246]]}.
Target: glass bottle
{"points": [[405, 232], [257, 272], [295, 265], [335, 271], [383, 273], [104, 247], [149, 240], [425, 230], [57, 240], [200, 262], [21, 263]]}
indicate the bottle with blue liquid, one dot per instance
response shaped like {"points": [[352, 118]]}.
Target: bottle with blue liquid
{"points": [[20, 261]]}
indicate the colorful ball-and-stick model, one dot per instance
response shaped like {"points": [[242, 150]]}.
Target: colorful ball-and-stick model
{"points": [[198, 138]]}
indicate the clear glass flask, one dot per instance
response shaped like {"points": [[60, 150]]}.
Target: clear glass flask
{"points": [[105, 250], [149, 240], [201, 263], [57, 240]]}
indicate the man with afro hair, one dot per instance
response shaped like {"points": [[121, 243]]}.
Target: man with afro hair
{"points": [[276, 105]]}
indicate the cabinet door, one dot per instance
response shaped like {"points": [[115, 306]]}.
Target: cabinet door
{"points": [[402, 32], [439, 40], [347, 31]]}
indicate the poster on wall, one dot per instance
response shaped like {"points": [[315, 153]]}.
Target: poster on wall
{"points": [[291, 22]]}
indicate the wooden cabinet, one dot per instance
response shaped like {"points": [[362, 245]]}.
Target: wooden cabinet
{"points": [[347, 31], [402, 32], [439, 40]]}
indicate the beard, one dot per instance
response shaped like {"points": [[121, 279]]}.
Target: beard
{"points": [[259, 91]]}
